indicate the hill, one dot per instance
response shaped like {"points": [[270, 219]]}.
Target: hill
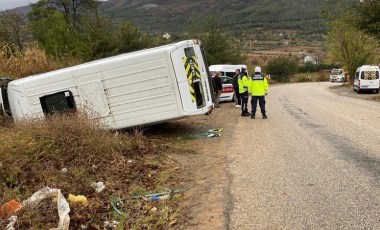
{"points": [[157, 16]]}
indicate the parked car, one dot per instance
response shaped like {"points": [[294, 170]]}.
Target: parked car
{"points": [[228, 90], [337, 75]]}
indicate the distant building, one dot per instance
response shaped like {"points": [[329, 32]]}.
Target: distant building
{"points": [[166, 36], [310, 59]]}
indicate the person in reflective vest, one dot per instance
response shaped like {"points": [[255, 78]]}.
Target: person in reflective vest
{"points": [[243, 91], [258, 88]]}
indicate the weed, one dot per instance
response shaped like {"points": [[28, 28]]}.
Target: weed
{"points": [[34, 152]]}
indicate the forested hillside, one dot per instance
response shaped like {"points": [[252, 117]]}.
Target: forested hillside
{"points": [[235, 15]]}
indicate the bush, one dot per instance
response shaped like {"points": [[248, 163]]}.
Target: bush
{"points": [[282, 68], [32, 61]]}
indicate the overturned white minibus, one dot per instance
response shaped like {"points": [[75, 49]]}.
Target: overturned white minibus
{"points": [[139, 88]]}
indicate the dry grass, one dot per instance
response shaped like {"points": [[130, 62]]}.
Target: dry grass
{"points": [[33, 61], [33, 154]]}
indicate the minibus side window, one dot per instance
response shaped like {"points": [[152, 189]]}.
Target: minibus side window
{"points": [[377, 74], [357, 75], [362, 75], [60, 102]]}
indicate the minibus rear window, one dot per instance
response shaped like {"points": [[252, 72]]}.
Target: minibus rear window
{"points": [[189, 52], [369, 75]]}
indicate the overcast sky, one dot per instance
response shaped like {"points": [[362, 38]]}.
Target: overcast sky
{"points": [[9, 4]]}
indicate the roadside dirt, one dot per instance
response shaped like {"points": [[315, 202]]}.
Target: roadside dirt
{"points": [[203, 168], [346, 90]]}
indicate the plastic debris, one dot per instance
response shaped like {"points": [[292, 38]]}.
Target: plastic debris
{"points": [[160, 196], [110, 225], [64, 170], [154, 198], [214, 132], [63, 205], [99, 186], [9, 208], [154, 209], [12, 220], [117, 201], [79, 199]]}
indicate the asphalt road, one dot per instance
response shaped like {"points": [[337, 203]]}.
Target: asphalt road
{"points": [[314, 164]]}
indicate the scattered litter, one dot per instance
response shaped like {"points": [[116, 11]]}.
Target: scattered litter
{"points": [[209, 133], [117, 202], [64, 170], [214, 132], [129, 161], [63, 205], [94, 166], [154, 209], [9, 208], [99, 186], [12, 220], [110, 225], [80, 199], [154, 198], [160, 196], [214, 135]]}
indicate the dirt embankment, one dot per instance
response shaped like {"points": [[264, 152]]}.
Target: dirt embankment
{"points": [[204, 170]]}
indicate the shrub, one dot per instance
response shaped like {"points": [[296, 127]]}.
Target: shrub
{"points": [[33, 61], [282, 68]]}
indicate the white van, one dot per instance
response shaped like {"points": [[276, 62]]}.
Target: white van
{"points": [[226, 70], [337, 75], [366, 79], [227, 73], [139, 88]]}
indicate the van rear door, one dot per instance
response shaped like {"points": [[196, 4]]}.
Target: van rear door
{"points": [[369, 79], [192, 78]]}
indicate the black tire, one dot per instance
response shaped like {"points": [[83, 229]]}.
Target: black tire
{"points": [[377, 91]]}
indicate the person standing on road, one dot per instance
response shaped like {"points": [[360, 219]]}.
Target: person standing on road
{"points": [[235, 84], [243, 90], [258, 88], [218, 86]]}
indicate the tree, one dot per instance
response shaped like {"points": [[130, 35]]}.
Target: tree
{"points": [[349, 46], [220, 47], [53, 33], [367, 14], [98, 34], [282, 68], [73, 10], [131, 38], [14, 29], [75, 28]]}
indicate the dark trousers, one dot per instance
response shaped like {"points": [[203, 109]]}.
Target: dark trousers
{"points": [[261, 100], [238, 97], [244, 102]]}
